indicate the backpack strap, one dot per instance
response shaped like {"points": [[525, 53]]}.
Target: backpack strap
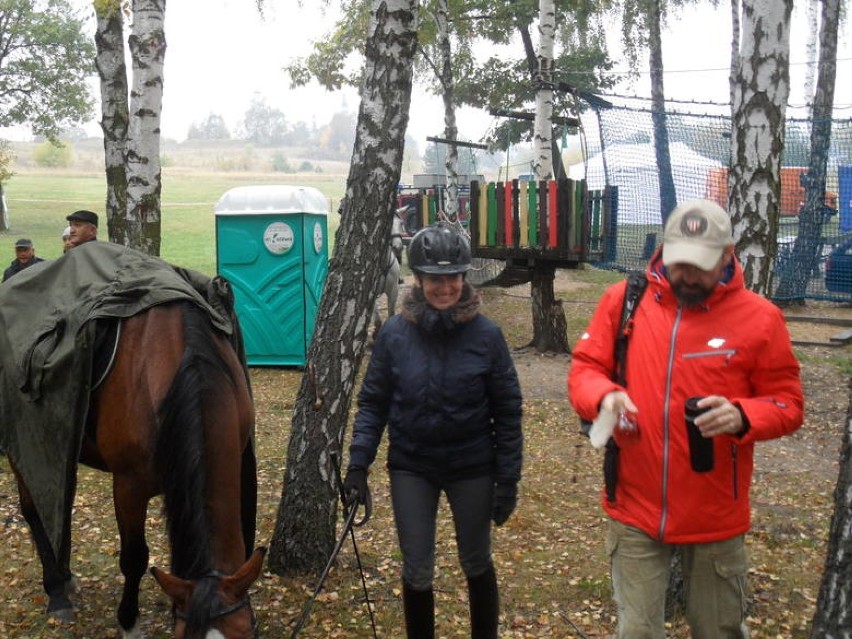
{"points": [[636, 285]]}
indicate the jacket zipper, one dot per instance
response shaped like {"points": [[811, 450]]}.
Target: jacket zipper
{"points": [[665, 511]]}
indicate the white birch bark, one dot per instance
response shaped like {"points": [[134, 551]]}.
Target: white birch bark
{"points": [[543, 132], [305, 526], [451, 131], [759, 101], [112, 72], [147, 45]]}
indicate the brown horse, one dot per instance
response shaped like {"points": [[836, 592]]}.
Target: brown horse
{"points": [[174, 416]]}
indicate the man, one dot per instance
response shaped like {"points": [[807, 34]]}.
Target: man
{"points": [[84, 227], [24, 258], [697, 331]]}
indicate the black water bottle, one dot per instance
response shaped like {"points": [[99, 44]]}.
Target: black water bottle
{"points": [[700, 448]]}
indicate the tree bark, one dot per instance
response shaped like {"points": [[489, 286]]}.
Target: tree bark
{"points": [[109, 40], [806, 251], [147, 45], [759, 102], [305, 525], [550, 328], [451, 131], [833, 616]]}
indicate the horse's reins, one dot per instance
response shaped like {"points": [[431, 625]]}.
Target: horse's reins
{"points": [[227, 610]]}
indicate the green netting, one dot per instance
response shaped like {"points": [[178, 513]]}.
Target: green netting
{"points": [[621, 153]]}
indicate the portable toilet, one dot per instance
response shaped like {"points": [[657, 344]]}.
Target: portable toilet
{"points": [[272, 246]]}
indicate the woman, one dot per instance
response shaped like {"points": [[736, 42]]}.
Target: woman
{"points": [[441, 376]]}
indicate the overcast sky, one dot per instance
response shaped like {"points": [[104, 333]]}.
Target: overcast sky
{"points": [[221, 56]]}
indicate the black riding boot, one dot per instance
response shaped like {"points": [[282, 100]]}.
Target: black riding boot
{"points": [[484, 605], [419, 606]]}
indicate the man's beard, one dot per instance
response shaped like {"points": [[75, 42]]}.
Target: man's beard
{"points": [[691, 296]]}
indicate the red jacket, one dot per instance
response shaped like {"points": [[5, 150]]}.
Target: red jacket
{"points": [[735, 345]]}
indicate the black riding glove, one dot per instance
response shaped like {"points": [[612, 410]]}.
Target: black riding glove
{"points": [[355, 486], [503, 503]]}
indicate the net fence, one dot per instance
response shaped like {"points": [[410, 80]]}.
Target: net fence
{"points": [[620, 153]]}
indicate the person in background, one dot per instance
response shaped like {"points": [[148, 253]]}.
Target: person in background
{"points": [[696, 332], [442, 379], [66, 239], [24, 258], [84, 227]]}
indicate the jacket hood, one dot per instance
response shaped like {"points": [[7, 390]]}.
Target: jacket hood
{"points": [[732, 279], [416, 310]]}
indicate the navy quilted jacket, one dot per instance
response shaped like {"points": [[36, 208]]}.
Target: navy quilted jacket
{"points": [[446, 385]]}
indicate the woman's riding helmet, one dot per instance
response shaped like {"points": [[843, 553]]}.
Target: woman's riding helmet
{"points": [[439, 250]]}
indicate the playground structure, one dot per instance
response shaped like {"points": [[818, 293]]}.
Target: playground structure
{"points": [[523, 222]]}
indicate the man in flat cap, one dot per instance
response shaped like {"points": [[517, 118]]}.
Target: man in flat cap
{"points": [[24, 257], [84, 227]]}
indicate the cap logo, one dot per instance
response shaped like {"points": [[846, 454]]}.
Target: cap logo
{"points": [[693, 225]]}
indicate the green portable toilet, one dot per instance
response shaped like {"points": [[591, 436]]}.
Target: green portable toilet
{"points": [[272, 246]]}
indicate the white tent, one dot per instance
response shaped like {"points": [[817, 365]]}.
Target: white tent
{"points": [[633, 169]]}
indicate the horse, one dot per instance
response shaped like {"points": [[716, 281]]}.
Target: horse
{"points": [[392, 272], [173, 416]]}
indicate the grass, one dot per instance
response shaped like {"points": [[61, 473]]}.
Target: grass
{"points": [[39, 201]]}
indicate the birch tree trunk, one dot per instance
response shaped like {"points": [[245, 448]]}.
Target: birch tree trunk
{"points": [[833, 616], [147, 45], [806, 252], [109, 41], [550, 332], [668, 196], [305, 525], [543, 131], [759, 101], [451, 131]]}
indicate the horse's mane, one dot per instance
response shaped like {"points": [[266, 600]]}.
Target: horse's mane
{"points": [[202, 373]]}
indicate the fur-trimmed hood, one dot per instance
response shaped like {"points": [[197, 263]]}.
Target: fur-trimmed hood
{"points": [[416, 310]]}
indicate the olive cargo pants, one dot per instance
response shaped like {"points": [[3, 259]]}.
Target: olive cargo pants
{"points": [[714, 578]]}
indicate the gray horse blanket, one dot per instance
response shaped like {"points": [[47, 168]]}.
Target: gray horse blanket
{"points": [[47, 335]]}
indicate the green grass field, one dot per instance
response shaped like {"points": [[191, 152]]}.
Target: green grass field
{"points": [[39, 201]]}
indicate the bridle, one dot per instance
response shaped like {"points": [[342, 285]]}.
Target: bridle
{"points": [[227, 610]]}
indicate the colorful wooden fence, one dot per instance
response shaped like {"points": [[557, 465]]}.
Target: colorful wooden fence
{"points": [[559, 221]]}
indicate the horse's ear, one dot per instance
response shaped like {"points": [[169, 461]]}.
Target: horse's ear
{"points": [[238, 584], [179, 590]]}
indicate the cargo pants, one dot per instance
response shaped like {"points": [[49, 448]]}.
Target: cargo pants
{"points": [[714, 578]]}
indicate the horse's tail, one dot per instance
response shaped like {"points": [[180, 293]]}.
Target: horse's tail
{"points": [[202, 374]]}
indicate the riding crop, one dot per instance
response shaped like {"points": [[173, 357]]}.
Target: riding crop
{"points": [[350, 508]]}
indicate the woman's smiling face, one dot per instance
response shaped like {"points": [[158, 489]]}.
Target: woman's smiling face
{"points": [[441, 291]]}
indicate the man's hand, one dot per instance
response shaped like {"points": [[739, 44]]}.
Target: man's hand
{"points": [[618, 402], [723, 418]]}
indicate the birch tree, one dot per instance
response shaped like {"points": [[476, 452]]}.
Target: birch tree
{"points": [[833, 616], [759, 99], [813, 216], [550, 328], [115, 111], [131, 123], [305, 525]]}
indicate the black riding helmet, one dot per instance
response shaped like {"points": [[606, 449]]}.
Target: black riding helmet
{"points": [[439, 250]]}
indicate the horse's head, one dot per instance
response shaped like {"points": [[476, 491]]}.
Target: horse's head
{"points": [[215, 606]]}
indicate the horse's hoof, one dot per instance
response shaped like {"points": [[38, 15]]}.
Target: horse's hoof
{"points": [[134, 633], [64, 615]]}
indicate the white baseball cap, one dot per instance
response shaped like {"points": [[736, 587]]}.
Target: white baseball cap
{"points": [[66, 232], [697, 233]]}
